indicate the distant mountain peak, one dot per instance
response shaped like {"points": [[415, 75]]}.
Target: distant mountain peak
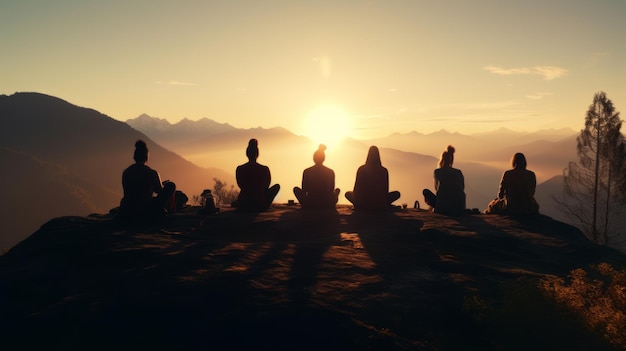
{"points": [[412, 133], [147, 117], [145, 121], [445, 132]]}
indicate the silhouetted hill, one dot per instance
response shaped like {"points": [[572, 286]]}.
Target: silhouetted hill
{"points": [[546, 193], [288, 279], [85, 150], [550, 191], [38, 190]]}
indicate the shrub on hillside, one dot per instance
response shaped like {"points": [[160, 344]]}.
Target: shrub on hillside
{"points": [[222, 194], [598, 296]]}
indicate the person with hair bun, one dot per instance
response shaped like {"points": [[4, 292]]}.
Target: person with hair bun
{"points": [[254, 181], [140, 183], [449, 186], [371, 188], [318, 184]]}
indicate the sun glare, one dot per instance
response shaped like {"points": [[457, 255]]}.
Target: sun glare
{"points": [[327, 125]]}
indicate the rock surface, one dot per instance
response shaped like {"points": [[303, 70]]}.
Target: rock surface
{"points": [[282, 279]]}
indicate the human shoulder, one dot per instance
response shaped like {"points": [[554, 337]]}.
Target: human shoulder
{"points": [[244, 166], [530, 174], [129, 169], [136, 168], [262, 168], [508, 173]]}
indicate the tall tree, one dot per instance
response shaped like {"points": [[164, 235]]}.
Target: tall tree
{"points": [[594, 185]]}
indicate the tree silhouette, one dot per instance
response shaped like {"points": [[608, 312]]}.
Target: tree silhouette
{"points": [[594, 186], [222, 194]]}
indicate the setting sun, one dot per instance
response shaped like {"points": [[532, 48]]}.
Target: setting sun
{"points": [[327, 124]]}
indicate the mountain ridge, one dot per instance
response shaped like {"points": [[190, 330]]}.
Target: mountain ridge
{"points": [[142, 122]]}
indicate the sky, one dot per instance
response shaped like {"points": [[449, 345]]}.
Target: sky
{"points": [[362, 69]]}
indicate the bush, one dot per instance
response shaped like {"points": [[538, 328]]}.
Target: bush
{"points": [[600, 300], [524, 316], [222, 194]]}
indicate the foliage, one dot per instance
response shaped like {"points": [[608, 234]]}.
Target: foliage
{"points": [[223, 194], [197, 200], [537, 314], [594, 186], [523, 318], [601, 301]]}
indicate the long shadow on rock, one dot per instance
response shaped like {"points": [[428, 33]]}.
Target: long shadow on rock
{"points": [[416, 301], [312, 233]]}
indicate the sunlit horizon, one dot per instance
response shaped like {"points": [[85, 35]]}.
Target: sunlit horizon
{"points": [[393, 67]]}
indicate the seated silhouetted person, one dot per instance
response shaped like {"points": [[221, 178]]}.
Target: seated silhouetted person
{"points": [[371, 188], [254, 181], [140, 184], [517, 190], [318, 184], [449, 185]]}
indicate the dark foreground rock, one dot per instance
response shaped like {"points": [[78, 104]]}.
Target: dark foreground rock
{"points": [[283, 279]]}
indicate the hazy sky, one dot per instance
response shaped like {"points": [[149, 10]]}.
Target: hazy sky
{"points": [[375, 67]]}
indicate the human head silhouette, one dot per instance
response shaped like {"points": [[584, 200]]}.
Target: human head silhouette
{"points": [[252, 151], [518, 161], [319, 156], [447, 157], [373, 157], [141, 152]]}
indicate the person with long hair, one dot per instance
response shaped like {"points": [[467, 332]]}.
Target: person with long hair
{"points": [[449, 186], [254, 181], [140, 183], [371, 188], [516, 194], [318, 184]]}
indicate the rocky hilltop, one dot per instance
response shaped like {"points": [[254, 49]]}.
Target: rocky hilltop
{"points": [[291, 279]]}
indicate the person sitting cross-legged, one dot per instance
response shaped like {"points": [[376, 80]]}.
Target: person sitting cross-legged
{"points": [[449, 186], [254, 180], [371, 188], [318, 184], [140, 183], [516, 194]]}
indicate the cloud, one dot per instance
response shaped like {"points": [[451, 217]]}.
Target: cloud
{"points": [[547, 72], [175, 83], [325, 65], [596, 58], [497, 105], [537, 96]]}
